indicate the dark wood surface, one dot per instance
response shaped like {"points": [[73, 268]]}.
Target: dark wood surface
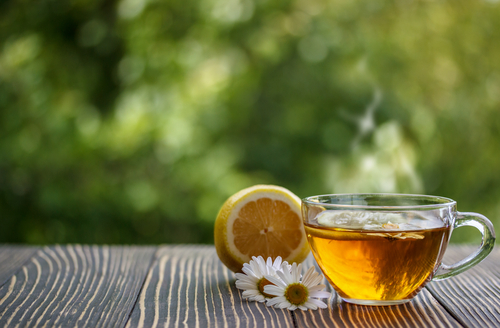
{"points": [[12, 258], [473, 296], [187, 286]]}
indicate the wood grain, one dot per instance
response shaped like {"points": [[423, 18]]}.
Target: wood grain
{"points": [[189, 287], [474, 295], [12, 259], [84, 286], [422, 311]]}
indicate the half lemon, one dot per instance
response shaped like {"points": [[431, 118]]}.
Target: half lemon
{"points": [[261, 220]]}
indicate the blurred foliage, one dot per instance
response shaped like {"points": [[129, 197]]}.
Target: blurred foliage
{"points": [[132, 121]]}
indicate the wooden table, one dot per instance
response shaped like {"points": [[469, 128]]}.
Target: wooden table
{"points": [[187, 286]]}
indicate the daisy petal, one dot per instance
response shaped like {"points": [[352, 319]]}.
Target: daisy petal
{"points": [[319, 303], [310, 305], [294, 272], [276, 280], [276, 300], [277, 263], [317, 288], [261, 264], [308, 275], [297, 273], [244, 285], [320, 294], [316, 280], [273, 290], [281, 275], [312, 279], [240, 275], [259, 299], [250, 284], [284, 304], [249, 293], [286, 275], [269, 265], [255, 269], [245, 278], [249, 271]]}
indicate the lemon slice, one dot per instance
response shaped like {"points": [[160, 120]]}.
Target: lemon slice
{"points": [[261, 220]]}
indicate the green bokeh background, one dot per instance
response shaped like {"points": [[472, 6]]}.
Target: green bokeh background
{"points": [[132, 121]]}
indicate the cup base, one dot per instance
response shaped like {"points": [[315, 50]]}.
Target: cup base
{"points": [[375, 302]]}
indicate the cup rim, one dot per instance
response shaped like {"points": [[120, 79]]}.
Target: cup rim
{"points": [[447, 201]]}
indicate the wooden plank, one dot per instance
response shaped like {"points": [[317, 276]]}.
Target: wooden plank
{"points": [[84, 286], [474, 295], [12, 258], [422, 311], [188, 286]]}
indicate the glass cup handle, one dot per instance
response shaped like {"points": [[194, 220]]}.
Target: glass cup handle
{"points": [[484, 225]]}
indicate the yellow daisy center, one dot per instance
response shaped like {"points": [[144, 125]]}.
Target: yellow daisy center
{"points": [[260, 285], [296, 294]]}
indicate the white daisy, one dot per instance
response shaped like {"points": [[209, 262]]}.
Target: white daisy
{"points": [[292, 292], [253, 281]]}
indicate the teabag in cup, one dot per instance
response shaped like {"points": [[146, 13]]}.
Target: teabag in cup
{"points": [[378, 222]]}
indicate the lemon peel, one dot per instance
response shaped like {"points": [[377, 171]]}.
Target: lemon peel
{"points": [[262, 220]]}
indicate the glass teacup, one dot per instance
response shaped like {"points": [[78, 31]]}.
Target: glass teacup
{"points": [[381, 249]]}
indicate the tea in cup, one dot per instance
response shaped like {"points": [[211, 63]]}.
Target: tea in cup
{"points": [[381, 249]]}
